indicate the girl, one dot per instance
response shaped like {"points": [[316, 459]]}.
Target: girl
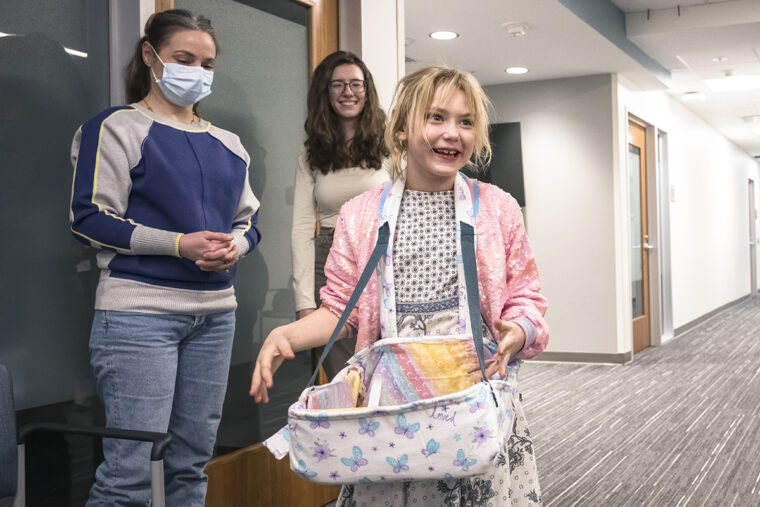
{"points": [[165, 196], [342, 157], [438, 125]]}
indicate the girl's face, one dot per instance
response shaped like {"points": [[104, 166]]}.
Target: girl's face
{"points": [[188, 47], [433, 163], [347, 91]]}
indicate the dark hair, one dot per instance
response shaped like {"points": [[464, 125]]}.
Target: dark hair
{"points": [[326, 149], [158, 29]]}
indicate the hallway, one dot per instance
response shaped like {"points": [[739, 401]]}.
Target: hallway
{"points": [[680, 425]]}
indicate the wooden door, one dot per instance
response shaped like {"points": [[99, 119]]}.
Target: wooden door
{"points": [[640, 244], [252, 477]]}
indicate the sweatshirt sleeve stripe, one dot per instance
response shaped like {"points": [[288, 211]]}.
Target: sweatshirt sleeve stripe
{"points": [[246, 225], [176, 245], [252, 232], [77, 137], [99, 151]]}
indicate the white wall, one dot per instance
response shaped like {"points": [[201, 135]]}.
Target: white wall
{"points": [[147, 8], [574, 159], [374, 30], [709, 213], [567, 142]]}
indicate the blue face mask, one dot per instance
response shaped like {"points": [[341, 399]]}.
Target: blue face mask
{"points": [[184, 85]]}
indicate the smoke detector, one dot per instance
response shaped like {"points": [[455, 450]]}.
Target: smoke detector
{"points": [[515, 28]]}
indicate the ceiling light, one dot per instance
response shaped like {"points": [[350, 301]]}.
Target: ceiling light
{"points": [[732, 83], [3, 34], [693, 97], [516, 70], [444, 35], [719, 59]]}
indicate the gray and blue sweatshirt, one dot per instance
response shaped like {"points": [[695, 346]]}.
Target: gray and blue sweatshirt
{"points": [[140, 182]]}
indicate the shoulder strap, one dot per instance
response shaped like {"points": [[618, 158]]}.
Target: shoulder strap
{"points": [[467, 234], [380, 248]]}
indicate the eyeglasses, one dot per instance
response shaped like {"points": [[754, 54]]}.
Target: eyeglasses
{"points": [[337, 87]]}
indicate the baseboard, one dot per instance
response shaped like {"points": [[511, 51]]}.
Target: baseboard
{"points": [[583, 357], [694, 323]]}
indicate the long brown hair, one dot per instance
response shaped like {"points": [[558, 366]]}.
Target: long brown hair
{"points": [[158, 29], [326, 148]]}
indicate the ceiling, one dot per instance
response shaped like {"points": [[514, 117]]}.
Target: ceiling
{"points": [[683, 36]]}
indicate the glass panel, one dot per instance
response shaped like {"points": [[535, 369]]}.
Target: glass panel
{"points": [[634, 183], [54, 74], [259, 92]]}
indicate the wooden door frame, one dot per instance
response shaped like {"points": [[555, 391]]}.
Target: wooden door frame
{"points": [[643, 324], [323, 26]]}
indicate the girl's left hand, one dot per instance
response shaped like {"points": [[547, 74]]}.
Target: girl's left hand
{"points": [[511, 342]]}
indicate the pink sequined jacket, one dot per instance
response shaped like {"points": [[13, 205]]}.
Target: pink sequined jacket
{"points": [[507, 273]]}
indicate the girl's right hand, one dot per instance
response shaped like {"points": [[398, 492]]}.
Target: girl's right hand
{"points": [[274, 351]]}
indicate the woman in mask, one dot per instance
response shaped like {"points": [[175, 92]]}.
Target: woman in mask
{"points": [[164, 196]]}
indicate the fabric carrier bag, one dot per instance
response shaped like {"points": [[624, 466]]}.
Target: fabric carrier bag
{"points": [[405, 408]]}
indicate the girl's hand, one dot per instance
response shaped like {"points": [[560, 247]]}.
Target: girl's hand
{"points": [[274, 351], [511, 342]]}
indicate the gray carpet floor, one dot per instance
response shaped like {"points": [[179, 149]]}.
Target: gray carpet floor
{"points": [[680, 425]]}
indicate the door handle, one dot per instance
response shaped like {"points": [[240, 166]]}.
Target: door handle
{"points": [[647, 246]]}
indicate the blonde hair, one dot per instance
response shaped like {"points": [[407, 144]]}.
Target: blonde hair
{"points": [[413, 97]]}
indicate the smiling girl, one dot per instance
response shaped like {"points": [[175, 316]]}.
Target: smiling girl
{"points": [[437, 126]]}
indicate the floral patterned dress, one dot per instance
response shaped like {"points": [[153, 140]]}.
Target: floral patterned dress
{"points": [[425, 277]]}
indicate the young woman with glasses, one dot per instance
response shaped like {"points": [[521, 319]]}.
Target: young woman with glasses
{"points": [[344, 155]]}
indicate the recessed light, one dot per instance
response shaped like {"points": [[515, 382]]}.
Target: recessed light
{"points": [[516, 70], [719, 59], [444, 35]]}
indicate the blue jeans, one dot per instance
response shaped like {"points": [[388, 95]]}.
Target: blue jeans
{"points": [[164, 373]]}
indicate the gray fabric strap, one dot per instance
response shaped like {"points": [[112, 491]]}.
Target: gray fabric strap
{"points": [[380, 248], [467, 234]]}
